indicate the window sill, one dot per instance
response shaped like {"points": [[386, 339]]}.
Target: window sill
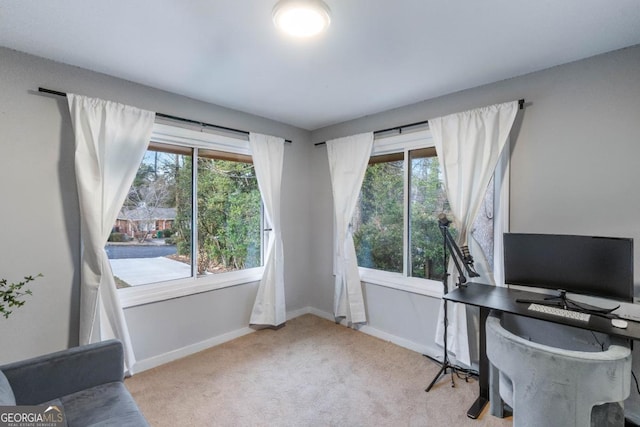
{"points": [[397, 281], [155, 292]]}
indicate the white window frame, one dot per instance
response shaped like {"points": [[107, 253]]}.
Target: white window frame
{"points": [[403, 143], [160, 291]]}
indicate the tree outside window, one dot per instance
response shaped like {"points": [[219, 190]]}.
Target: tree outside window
{"points": [[378, 223]]}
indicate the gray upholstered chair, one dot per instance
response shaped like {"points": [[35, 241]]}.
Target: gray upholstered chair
{"points": [[550, 386], [86, 382]]}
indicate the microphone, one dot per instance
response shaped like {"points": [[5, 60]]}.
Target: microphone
{"points": [[466, 255], [468, 259], [443, 220]]}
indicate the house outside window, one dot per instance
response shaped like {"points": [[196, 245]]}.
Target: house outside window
{"points": [[141, 223], [192, 220]]}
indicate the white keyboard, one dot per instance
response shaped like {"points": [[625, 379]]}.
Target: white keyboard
{"points": [[560, 312]]}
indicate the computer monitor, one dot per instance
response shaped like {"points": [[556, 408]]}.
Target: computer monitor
{"points": [[589, 265]]}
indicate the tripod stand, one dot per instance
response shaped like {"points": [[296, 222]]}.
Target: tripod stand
{"points": [[459, 257]]}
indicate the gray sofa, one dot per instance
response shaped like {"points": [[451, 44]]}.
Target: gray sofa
{"points": [[87, 382]]}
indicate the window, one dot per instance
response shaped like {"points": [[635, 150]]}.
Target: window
{"points": [[150, 241], [378, 219], [229, 214], [426, 202], [395, 224], [192, 220]]}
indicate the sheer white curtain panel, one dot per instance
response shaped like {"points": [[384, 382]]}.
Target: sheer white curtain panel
{"points": [[493, 274], [268, 159], [348, 159], [468, 145], [111, 140]]}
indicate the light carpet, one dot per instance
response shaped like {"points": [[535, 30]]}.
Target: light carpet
{"points": [[312, 372]]}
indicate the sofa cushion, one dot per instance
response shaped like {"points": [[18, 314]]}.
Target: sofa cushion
{"points": [[109, 404], [64, 372], [6, 393]]}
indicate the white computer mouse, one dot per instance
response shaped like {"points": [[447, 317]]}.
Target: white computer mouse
{"points": [[619, 323]]}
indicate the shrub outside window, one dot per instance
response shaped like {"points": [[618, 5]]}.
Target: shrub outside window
{"points": [[395, 221], [395, 224], [379, 225]]}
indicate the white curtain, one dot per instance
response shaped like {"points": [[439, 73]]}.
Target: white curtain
{"points": [[501, 213], [468, 145], [494, 274], [268, 158], [348, 159], [111, 140]]}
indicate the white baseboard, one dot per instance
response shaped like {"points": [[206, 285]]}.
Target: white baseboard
{"points": [[161, 359], [431, 351], [322, 314], [300, 312]]}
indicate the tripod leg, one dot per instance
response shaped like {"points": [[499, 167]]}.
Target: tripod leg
{"points": [[445, 360], [443, 370]]}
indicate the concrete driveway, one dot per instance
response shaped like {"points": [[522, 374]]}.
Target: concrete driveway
{"points": [[142, 271]]}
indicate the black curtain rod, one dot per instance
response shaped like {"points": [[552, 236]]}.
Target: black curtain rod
{"points": [[399, 128], [170, 117]]}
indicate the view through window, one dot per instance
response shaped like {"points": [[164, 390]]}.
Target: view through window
{"points": [[153, 238], [379, 219]]}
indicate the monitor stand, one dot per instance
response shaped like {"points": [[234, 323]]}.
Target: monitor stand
{"points": [[562, 301]]}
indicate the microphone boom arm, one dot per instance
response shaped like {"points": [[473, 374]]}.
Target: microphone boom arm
{"points": [[457, 255], [460, 259]]}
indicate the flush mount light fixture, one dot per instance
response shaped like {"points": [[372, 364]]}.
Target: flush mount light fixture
{"points": [[301, 18]]}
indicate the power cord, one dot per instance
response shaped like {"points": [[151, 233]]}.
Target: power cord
{"points": [[461, 373], [464, 373], [604, 312]]}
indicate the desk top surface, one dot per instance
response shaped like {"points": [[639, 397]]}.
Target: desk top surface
{"points": [[504, 299]]}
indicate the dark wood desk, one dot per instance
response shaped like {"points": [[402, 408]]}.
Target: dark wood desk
{"points": [[489, 298]]}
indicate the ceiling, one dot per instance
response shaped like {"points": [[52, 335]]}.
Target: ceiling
{"points": [[376, 55]]}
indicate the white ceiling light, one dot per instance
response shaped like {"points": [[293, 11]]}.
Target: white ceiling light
{"points": [[301, 18]]}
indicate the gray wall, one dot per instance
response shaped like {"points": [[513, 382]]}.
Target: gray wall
{"points": [[39, 217], [574, 168]]}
